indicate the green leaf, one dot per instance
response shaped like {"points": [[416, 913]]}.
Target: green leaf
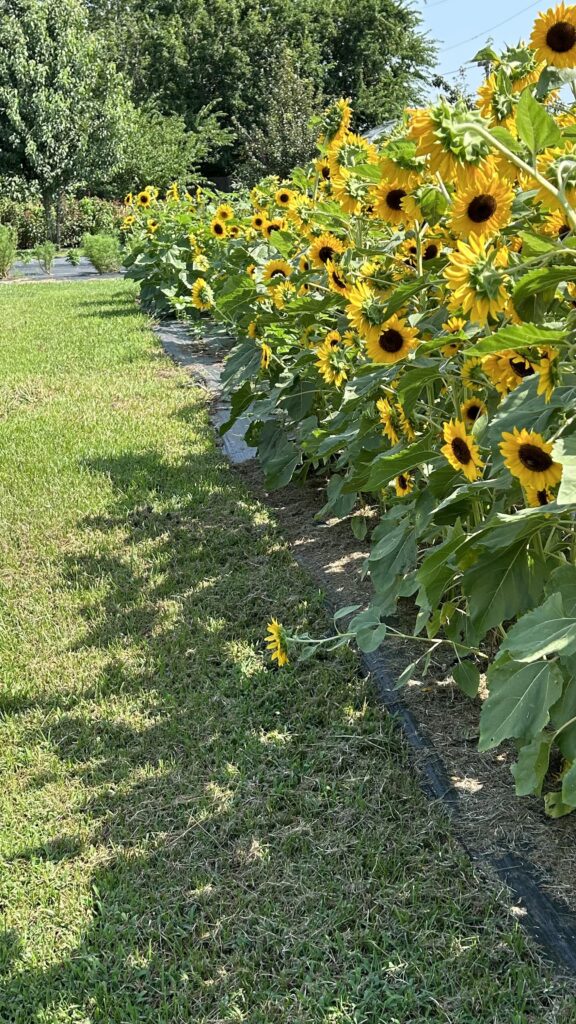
{"points": [[563, 714], [516, 336], [569, 787], [532, 765], [467, 676], [536, 282], [537, 129], [369, 631], [564, 451], [555, 806], [359, 527], [498, 589], [542, 632], [385, 467], [519, 701], [563, 582]]}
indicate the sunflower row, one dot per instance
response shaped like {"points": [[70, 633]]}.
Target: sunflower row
{"points": [[405, 328]]}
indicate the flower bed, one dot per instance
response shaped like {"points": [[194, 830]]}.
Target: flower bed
{"points": [[406, 328]]}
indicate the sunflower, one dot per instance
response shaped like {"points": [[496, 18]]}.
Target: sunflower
{"points": [[335, 121], [152, 225], [438, 135], [276, 269], [483, 208], [224, 212], [547, 370], [403, 485], [529, 457], [325, 248], [282, 292], [461, 450], [555, 225], [554, 36], [553, 164], [276, 643], [350, 151], [218, 228], [365, 309], [128, 221], [129, 199], [253, 330], [323, 169], [258, 220], [336, 279], [388, 200], [143, 199], [172, 193], [284, 197], [265, 356], [507, 370], [332, 363], [273, 225], [471, 372], [538, 498], [476, 284], [393, 341], [471, 410], [234, 231], [333, 338], [351, 192], [202, 295], [389, 420]]}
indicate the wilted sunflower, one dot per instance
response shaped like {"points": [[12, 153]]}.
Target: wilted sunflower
{"points": [[529, 457], [476, 284], [276, 269], [461, 450], [332, 363], [276, 643], [365, 309], [336, 279], [388, 199], [554, 36], [325, 248], [403, 485], [483, 208], [393, 341], [218, 228], [202, 295], [284, 197], [471, 410]]}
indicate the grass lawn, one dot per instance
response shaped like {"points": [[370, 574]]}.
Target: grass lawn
{"points": [[188, 835]]}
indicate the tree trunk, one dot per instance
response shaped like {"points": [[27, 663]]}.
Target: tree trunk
{"points": [[48, 203], [58, 218]]}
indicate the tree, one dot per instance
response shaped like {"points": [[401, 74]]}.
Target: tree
{"points": [[188, 53], [63, 106]]}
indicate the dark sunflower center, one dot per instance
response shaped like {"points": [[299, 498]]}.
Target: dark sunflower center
{"points": [[338, 280], [542, 497], [430, 252], [521, 368], [534, 458], [391, 340], [278, 273], [258, 222], [284, 197], [561, 37], [481, 208], [564, 230], [394, 198], [305, 265], [326, 253], [402, 481], [461, 451], [218, 229], [473, 411], [273, 227], [326, 173]]}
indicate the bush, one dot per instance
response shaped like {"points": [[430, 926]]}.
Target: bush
{"points": [[7, 249], [45, 253], [103, 251], [405, 327], [77, 217]]}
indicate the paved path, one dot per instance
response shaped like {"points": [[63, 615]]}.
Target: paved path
{"points": [[61, 271]]}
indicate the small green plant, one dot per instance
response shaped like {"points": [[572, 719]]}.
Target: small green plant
{"points": [[103, 251], [73, 257], [7, 249], [45, 253]]}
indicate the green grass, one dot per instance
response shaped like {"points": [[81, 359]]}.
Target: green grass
{"points": [[188, 835]]}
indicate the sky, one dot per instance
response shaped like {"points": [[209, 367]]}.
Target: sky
{"points": [[453, 23]]}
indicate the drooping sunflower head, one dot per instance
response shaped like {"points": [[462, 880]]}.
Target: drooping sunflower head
{"points": [[461, 450], [351, 192], [350, 151], [529, 458], [483, 208], [325, 248], [337, 281], [276, 643], [554, 36], [366, 310], [218, 228], [335, 121], [476, 282], [202, 294], [392, 341], [276, 271], [439, 136]]}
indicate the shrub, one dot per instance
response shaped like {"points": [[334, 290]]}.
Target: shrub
{"points": [[103, 251], [78, 216], [45, 253], [73, 257], [7, 249], [404, 317]]}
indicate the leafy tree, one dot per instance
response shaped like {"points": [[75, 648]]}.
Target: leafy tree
{"points": [[63, 106], [189, 53]]}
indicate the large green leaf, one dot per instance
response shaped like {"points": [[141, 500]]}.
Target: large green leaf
{"points": [[569, 787], [563, 582], [532, 765], [519, 701], [537, 129], [467, 676], [385, 467], [538, 282], [541, 632], [498, 589], [517, 337]]}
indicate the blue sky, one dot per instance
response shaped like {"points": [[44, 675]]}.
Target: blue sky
{"points": [[451, 22]]}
